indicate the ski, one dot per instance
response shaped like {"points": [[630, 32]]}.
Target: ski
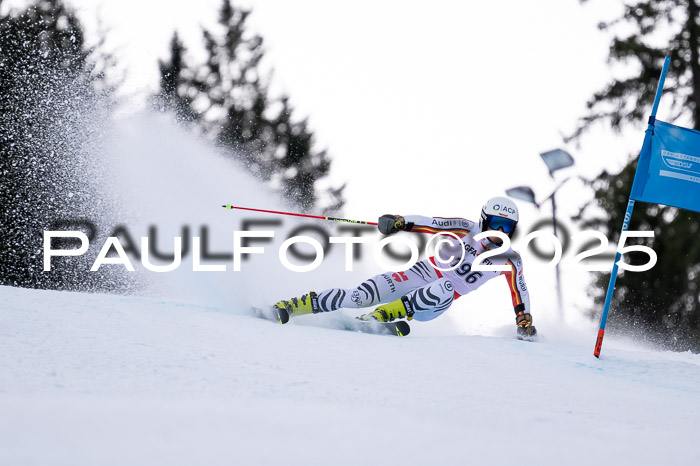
{"points": [[399, 328]]}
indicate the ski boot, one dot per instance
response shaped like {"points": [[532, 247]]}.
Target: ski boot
{"points": [[294, 307], [526, 331], [390, 311]]}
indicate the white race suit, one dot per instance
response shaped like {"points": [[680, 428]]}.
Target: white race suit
{"points": [[429, 291]]}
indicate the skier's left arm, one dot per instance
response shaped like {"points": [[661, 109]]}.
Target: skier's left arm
{"points": [[519, 295]]}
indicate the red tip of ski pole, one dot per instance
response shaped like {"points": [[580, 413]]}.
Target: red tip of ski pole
{"points": [[598, 343]]}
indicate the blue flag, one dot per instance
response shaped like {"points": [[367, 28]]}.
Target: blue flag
{"points": [[668, 171]]}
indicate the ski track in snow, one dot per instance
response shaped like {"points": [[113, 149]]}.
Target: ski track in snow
{"points": [[99, 379]]}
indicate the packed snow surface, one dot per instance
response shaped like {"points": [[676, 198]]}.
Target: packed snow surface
{"points": [[186, 376], [95, 379]]}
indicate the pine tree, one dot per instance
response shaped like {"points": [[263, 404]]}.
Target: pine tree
{"points": [[660, 29], [233, 107], [664, 301], [171, 96], [46, 101]]}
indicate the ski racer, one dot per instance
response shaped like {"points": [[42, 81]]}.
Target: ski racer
{"points": [[424, 291]]}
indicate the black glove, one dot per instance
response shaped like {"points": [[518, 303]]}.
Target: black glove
{"points": [[525, 327], [390, 224]]}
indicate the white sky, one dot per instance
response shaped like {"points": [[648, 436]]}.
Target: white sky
{"points": [[425, 107], [405, 94], [410, 98]]}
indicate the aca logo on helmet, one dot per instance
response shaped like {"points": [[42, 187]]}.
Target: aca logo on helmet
{"points": [[504, 208]]}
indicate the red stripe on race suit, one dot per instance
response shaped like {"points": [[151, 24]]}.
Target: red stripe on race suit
{"points": [[514, 292], [456, 231]]}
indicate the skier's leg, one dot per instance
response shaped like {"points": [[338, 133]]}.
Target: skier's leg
{"points": [[424, 303], [432, 300], [382, 288]]}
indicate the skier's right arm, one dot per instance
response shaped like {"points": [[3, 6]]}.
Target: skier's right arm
{"points": [[459, 226], [389, 224]]}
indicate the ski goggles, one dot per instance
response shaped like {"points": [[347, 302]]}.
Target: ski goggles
{"points": [[506, 224]]}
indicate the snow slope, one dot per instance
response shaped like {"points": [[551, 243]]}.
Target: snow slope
{"points": [[185, 377], [97, 379]]}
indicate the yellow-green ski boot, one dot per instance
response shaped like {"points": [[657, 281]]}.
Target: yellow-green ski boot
{"points": [[390, 311], [306, 304]]}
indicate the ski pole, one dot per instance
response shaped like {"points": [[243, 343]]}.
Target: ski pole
{"points": [[333, 219]]}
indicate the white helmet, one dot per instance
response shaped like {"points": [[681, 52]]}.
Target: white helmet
{"points": [[499, 212]]}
